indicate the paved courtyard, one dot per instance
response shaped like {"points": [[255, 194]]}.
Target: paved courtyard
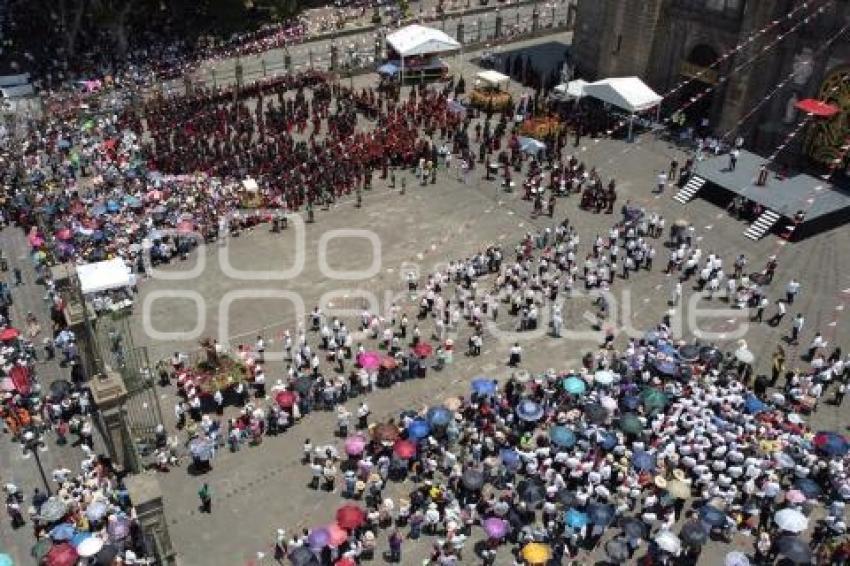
{"points": [[260, 489]]}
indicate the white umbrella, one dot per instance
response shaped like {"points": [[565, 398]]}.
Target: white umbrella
{"points": [[609, 403], [736, 558], [791, 520], [745, 356], [90, 546], [668, 542], [604, 377]]}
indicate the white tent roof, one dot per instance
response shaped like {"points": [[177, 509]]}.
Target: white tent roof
{"points": [[104, 275], [421, 40], [572, 89], [628, 93], [493, 78]]}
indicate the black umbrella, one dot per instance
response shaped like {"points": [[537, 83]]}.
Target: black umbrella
{"points": [[600, 514], [106, 555], [633, 527], [567, 498], [303, 384], [689, 352], [694, 533], [794, 549], [531, 492], [473, 479], [303, 556], [710, 355], [617, 550], [596, 413], [60, 388]]}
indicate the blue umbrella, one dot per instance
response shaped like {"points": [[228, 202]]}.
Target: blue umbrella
{"points": [[64, 531], [112, 206], [753, 405], [97, 236], [712, 516], [418, 429], [608, 440], [809, 487], [575, 518], [484, 386], [575, 385], [132, 202], [668, 350], [528, 410], [562, 436], [438, 416], [631, 402], [666, 368], [98, 210], [600, 514], [831, 443], [63, 144], [643, 461], [509, 457]]}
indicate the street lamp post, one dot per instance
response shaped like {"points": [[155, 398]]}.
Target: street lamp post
{"points": [[32, 442]]}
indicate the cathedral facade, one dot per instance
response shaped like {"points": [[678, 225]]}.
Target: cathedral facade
{"points": [[729, 55]]}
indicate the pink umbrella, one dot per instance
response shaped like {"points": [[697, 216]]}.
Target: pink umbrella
{"points": [[354, 445], [495, 527], [36, 241], [64, 234], [795, 496], [337, 535], [7, 384], [369, 360]]}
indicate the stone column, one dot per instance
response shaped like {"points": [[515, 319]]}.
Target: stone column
{"points": [[109, 393], [460, 31], [535, 19], [379, 49], [498, 33], [238, 71], [146, 497]]}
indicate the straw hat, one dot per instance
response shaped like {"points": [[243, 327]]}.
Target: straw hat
{"points": [[660, 482], [679, 474]]}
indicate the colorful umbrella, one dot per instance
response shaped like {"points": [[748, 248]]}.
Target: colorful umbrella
{"points": [[693, 533], [369, 360], [809, 487], [6, 560], [202, 448], [350, 516], [643, 461], [531, 492], [654, 399], [97, 510], [61, 555], [529, 410], [8, 334], [678, 489], [63, 531], [302, 556], [404, 449], [536, 553], [827, 442], [52, 510], [575, 518], [668, 542], [817, 108], [630, 424], [753, 405], [617, 550], [337, 534], [423, 349], [633, 527], [472, 479], [794, 549], [603, 377], [484, 386], [562, 436], [354, 445], [285, 399], [118, 527], [509, 457], [712, 516], [64, 234], [596, 413], [575, 385], [389, 362], [319, 538], [791, 520], [495, 527], [438, 416], [418, 429], [794, 496], [90, 546]]}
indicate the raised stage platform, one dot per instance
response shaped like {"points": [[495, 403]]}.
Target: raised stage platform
{"points": [[825, 205]]}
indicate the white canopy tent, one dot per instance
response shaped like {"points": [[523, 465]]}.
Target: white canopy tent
{"points": [[105, 275], [572, 90], [629, 93], [493, 78], [415, 40]]}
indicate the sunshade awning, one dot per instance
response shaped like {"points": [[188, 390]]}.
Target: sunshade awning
{"points": [[104, 275], [629, 93], [421, 40]]}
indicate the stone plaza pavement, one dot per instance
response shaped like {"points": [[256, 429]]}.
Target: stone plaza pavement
{"points": [[260, 489]]}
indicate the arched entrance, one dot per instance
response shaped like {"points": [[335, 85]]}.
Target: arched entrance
{"points": [[825, 137], [697, 69]]}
